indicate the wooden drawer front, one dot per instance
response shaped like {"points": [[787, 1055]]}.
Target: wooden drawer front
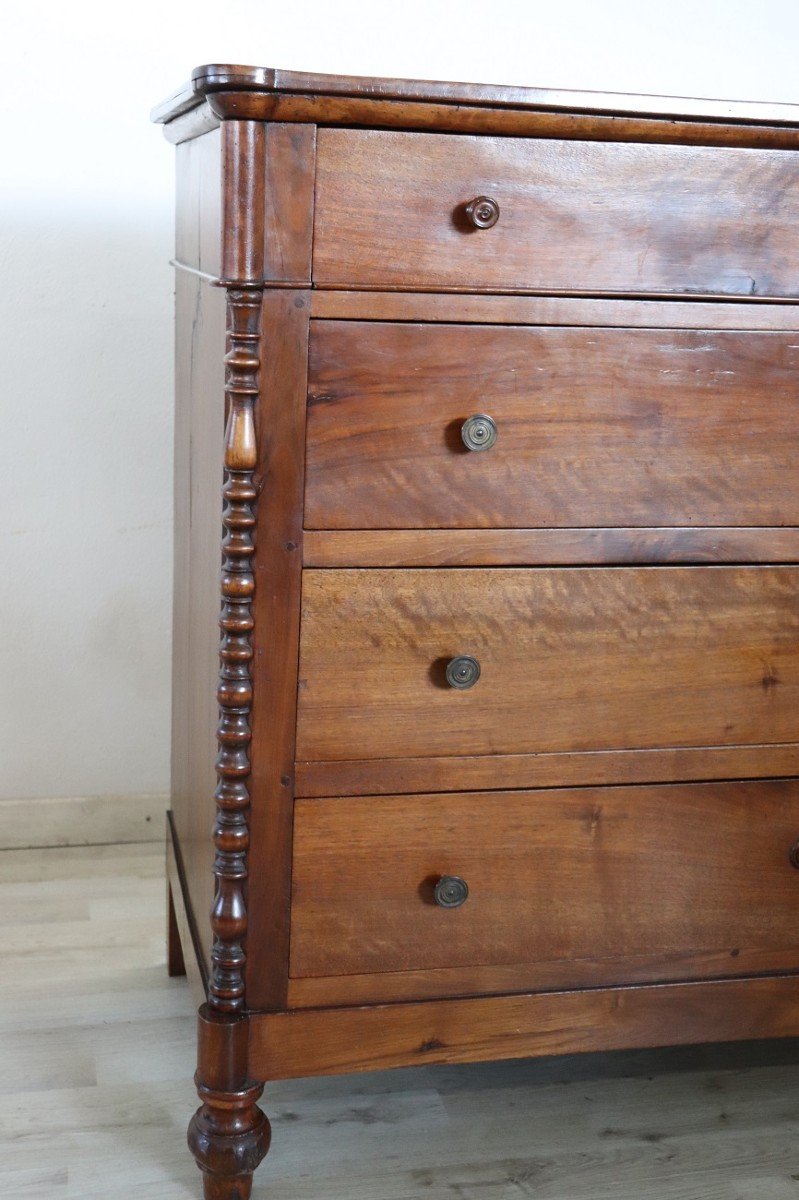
{"points": [[687, 870], [595, 427], [573, 216], [571, 659]]}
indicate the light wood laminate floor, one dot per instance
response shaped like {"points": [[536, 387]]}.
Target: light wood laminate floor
{"points": [[97, 1049]]}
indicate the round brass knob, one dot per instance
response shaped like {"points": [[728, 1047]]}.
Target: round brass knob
{"points": [[463, 672], [479, 432], [793, 855], [482, 212], [451, 891]]}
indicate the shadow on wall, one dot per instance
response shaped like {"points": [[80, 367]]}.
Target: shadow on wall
{"points": [[86, 515]]}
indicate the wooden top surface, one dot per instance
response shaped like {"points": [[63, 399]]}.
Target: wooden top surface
{"points": [[226, 77]]}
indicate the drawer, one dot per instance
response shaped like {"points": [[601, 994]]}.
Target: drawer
{"points": [[591, 427], [627, 878], [597, 217], [569, 659]]}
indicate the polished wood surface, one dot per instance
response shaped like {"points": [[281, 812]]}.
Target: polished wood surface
{"points": [[234, 688], [365, 112], [547, 547], [228, 1134], [231, 77], [550, 875], [243, 193], [207, 178], [575, 216], [278, 566], [619, 785], [485, 308], [711, 417], [447, 772], [288, 215], [572, 659], [376, 1037], [234, 92], [437, 983]]}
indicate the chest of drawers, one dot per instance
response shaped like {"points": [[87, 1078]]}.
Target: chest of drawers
{"points": [[487, 398]]}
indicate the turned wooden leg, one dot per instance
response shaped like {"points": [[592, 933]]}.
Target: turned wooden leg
{"points": [[228, 1135]]}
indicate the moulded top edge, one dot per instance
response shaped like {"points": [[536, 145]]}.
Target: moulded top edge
{"points": [[215, 77]]}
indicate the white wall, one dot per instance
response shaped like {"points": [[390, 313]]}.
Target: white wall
{"points": [[86, 344]]}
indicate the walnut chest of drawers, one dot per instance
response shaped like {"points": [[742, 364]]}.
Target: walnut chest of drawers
{"points": [[498, 754]]}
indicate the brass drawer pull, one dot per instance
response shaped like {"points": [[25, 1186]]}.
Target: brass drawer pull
{"points": [[482, 212], [463, 672], [451, 891], [479, 432]]}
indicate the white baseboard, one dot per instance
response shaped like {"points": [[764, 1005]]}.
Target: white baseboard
{"points": [[81, 821]]}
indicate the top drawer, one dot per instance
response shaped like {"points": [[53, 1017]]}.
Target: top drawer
{"points": [[574, 216]]}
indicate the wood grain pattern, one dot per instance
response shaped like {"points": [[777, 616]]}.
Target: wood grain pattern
{"points": [[288, 215], [207, 171], [619, 789], [473, 119], [435, 983], [212, 77], [470, 308], [547, 547], [330, 1041], [243, 146], [572, 659], [576, 216], [278, 565], [479, 772], [595, 427], [554, 875], [417, 115]]}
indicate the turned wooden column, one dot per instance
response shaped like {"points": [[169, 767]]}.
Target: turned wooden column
{"points": [[229, 1135]]}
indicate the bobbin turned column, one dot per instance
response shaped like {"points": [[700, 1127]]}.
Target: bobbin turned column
{"points": [[229, 1135]]}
